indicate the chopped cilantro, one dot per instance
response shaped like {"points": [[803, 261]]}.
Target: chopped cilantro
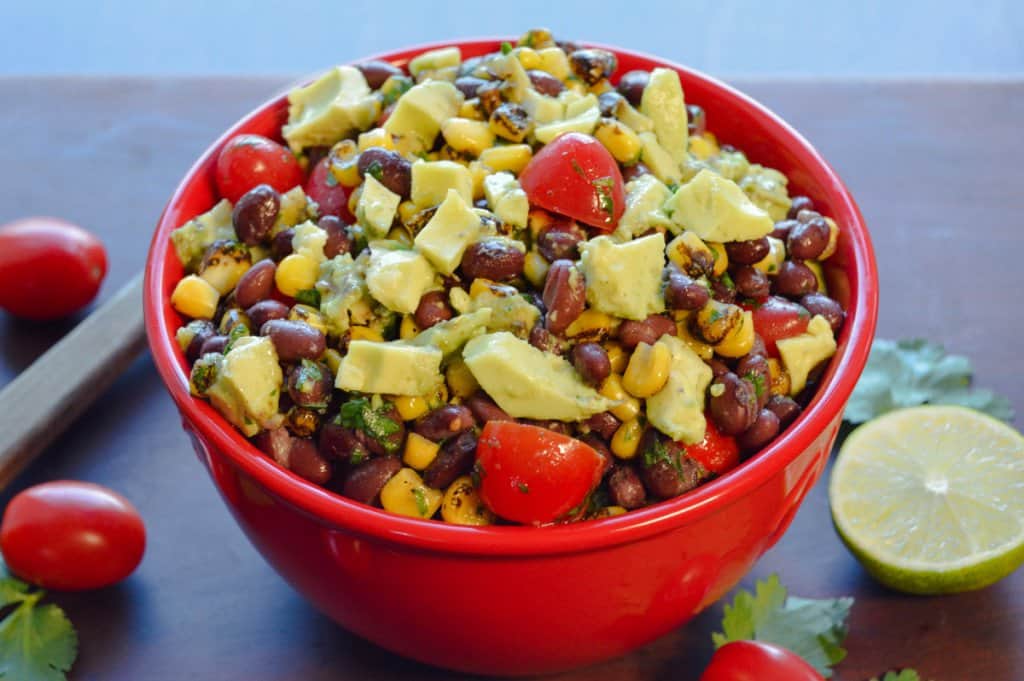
{"points": [[309, 296], [604, 186], [361, 415], [237, 332], [727, 280], [523, 487], [658, 452], [376, 170], [357, 456], [758, 381], [421, 501], [506, 47], [578, 168], [37, 642]]}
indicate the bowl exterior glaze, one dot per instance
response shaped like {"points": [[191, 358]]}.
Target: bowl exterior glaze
{"points": [[515, 600]]}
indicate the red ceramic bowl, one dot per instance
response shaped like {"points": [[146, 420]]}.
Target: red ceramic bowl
{"points": [[523, 600]]}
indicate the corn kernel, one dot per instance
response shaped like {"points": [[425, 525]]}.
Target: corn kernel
{"points": [[770, 263], [511, 157], [721, 258], [626, 439], [310, 315], [628, 406], [406, 494], [346, 172], [378, 137], [480, 287], [620, 140], [647, 371], [407, 211], [466, 135], [470, 109], [411, 408], [400, 235], [610, 512], [419, 452], [740, 338], [819, 274], [344, 150], [365, 333], [195, 297], [535, 267], [690, 254], [778, 378], [478, 172], [833, 239], [590, 323], [528, 57], [617, 356], [600, 87], [353, 199], [462, 504], [296, 273], [460, 379], [702, 349], [333, 359], [408, 328], [702, 147]]}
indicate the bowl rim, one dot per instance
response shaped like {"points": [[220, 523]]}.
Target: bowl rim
{"points": [[339, 513]]}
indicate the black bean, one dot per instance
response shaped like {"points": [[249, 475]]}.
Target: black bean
{"points": [[433, 309], [807, 240], [545, 83], [255, 213], [387, 167], [604, 424], [339, 241], [751, 282], [795, 279], [598, 444], [564, 296], [310, 384], [213, 344], [625, 488], [722, 291], [783, 228], [832, 311], [265, 310], [445, 422], [281, 244], [761, 432], [554, 426], [665, 468], [560, 241], [305, 461], [365, 482], [799, 203], [275, 443], [484, 408], [388, 444], [202, 331], [609, 102], [592, 363], [634, 171], [542, 339], [732, 404], [593, 65], [632, 85], [631, 332], [758, 348], [294, 340], [256, 284], [377, 72], [468, 85], [683, 293], [747, 252], [455, 458], [786, 408], [755, 369], [806, 215], [492, 259], [718, 367], [343, 444]]}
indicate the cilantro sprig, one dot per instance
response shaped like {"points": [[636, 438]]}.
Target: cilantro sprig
{"points": [[899, 675], [37, 642], [360, 414]]}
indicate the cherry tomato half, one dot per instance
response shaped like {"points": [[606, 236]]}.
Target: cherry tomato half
{"points": [[533, 475], [777, 318], [325, 190], [249, 160], [718, 453], [71, 536], [576, 176], [49, 268], [757, 661]]}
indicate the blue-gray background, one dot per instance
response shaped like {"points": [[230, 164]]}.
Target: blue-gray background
{"points": [[734, 37]]}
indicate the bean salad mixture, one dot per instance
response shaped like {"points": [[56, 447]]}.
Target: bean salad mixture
{"points": [[516, 288]]}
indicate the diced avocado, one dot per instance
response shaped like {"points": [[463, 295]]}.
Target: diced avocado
{"points": [[638, 122], [432, 180], [716, 209], [395, 368], [342, 289], [248, 385], [732, 165], [767, 189], [554, 61], [800, 354], [581, 105], [624, 280], [585, 123], [663, 103], [449, 233], [398, 278], [510, 311], [296, 207], [507, 199], [542, 109], [661, 163], [449, 336], [419, 113], [309, 240], [677, 410], [192, 238], [435, 60], [376, 208], [530, 383], [329, 109], [644, 198], [508, 68]]}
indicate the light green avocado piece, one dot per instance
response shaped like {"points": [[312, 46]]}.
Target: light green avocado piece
{"points": [[581, 105], [530, 383], [661, 163], [507, 199], [584, 122], [393, 368], [449, 233], [716, 209], [449, 336], [309, 240], [767, 188], [329, 109], [663, 103], [508, 68], [431, 181], [398, 278], [248, 385], [435, 60], [510, 311], [677, 410], [624, 280], [342, 288], [644, 198], [191, 239], [800, 354], [542, 109], [376, 208], [420, 112]]}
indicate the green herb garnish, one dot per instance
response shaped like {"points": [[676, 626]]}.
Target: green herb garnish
{"points": [[238, 331], [604, 186], [375, 170], [421, 501], [506, 47], [309, 296], [758, 381], [359, 414], [37, 642], [523, 487]]}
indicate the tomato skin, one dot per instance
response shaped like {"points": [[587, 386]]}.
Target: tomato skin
{"points": [[327, 192], [49, 268], [777, 318], [757, 661], [249, 160], [533, 475], [718, 453], [576, 176], [71, 536]]}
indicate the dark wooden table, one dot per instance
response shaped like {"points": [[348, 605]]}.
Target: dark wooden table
{"points": [[935, 166]]}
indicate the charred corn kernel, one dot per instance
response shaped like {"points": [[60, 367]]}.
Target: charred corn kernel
{"points": [[310, 315], [628, 406], [537, 219], [740, 338], [419, 452], [720, 258], [481, 287], [554, 61], [619, 139], [411, 407], [591, 323], [195, 297], [224, 263], [346, 173], [703, 350], [439, 397], [378, 137], [462, 504], [400, 235], [478, 172], [690, 254], [770, 263], [610, 512], [466, 135], [407, 211], [365, 333], [471, 110], [535, 267], [406, 494], [333, 359], [617, 356], [536, 38], [600, 87], [460, 379], [528, 57], [778, 378], [511, 157], [626, 439], [702, 147], [408, 328], [819, 274], [511, 122], [344, 150], [647, 371], [296, 272], [833, 239]]}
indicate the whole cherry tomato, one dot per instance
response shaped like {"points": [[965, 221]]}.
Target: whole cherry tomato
{"points": [[757, 661], [576, 176], [325, 190], [718, 453], [533, 475], [71, 536], [249, 160], [49, 268], [777, 318]]}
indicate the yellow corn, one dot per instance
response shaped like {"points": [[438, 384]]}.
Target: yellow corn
{"points": [[466, 135], [703, 350], [195, 297], [778, 378], [353, 199], [296, 273], [460, 379], [333, 359], [535, 267], [617, 356], [620, 140], [511, 157], [600, 87], [346, 172], [683, 250], [647, 371], [224, 271], [480, 287], [406, 494], [462, 504], [833, 238], [411, 408], [702, 147], [365, 333], [721, 258], [629, 406], [478, 172], [554, 61], [592, 322], [626, 439], [471, 109], [400, 235], [408, 328], [740, 338], [419, 452], [528, 57], [609, 512], [407, 211], [819, 274], [310, 315], [378, 137], [770, 263], [344, 150]]}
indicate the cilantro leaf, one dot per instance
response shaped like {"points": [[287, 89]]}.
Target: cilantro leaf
{"points": [[900, 675], [11, 590], [421, 501], [37, 643], [506, 47], [813, 629], [359, 414], [906, 373], [309, 296]]}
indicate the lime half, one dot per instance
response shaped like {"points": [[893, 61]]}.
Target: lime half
{"points": [[931, 499]]}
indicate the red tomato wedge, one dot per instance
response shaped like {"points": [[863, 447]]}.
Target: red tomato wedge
{"points": [[718, 453], [757, 661], [249, 160], [576, 176], [325, 190], [533, 475], [777, 318]]}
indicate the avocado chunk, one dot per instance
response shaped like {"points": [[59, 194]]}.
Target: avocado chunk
{"points": [[419, 113], [530, 383], [449, 233], [376, 208], [644, 198], [677, 410], [542, 109], [398, 278], [716, 209], [449, 336], [248, 385], [394, 368], [800, 354], [510, 311], [584, 122], [309, 240], [624, 280], [661, 163], [192, 238], [507, 199], [432, 180], [342, 288], [432, 62], [663, 103], [329, 109], [296, 208], [767, 189]]}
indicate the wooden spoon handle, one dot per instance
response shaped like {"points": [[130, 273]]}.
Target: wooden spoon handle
{"points": [[45, 398]]}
